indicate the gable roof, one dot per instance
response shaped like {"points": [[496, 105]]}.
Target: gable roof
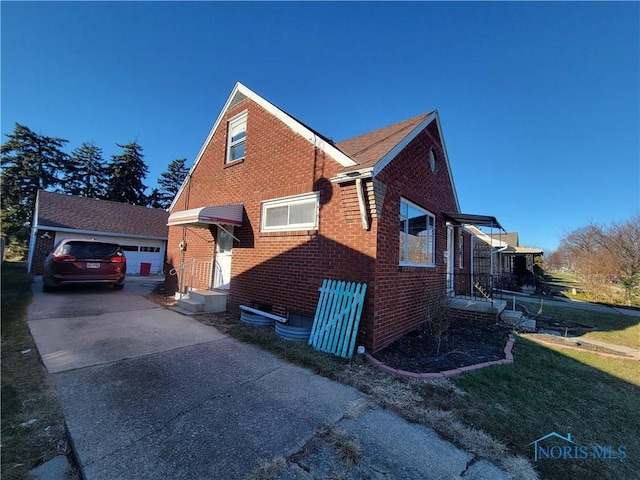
{"points": [[510, 237], [370, 152], [369, 148], [373, 151], [241, 92], [69, 212]]}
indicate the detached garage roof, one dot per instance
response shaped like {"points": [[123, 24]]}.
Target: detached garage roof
{"points": [[69, 212]]}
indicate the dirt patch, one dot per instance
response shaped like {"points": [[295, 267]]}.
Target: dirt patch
{"points": [[418, 351]]}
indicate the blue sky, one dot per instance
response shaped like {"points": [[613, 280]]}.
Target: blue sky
{"points": [[539, 102]]}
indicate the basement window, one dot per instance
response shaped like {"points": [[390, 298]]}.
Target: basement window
{"points": [[298, 212]]}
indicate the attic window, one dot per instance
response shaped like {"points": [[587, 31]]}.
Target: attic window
{"points": [[432, 161], [236, 137]]}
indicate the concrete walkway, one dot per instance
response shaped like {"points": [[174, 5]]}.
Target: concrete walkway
{"points": [[148, 393]]}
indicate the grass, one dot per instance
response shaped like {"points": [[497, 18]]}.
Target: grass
{"points": [[432, 404], [594, 398], [495, 413], [612, 327], [32, 423], [565, 283]]}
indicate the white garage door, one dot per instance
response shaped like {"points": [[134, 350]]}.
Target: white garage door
{"points": [[137, 250]]}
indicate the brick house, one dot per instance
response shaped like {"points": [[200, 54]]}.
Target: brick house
{"points": [[271, 207], [141, 231]]}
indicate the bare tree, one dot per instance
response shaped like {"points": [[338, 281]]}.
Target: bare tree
{"points": [[621, 240], [600, 255]]}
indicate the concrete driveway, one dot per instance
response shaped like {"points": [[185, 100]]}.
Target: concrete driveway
{"points": [[148, 393]]}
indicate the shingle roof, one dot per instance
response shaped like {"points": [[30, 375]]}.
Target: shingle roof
{"points": [[369, 148], [510, 237], [90, 214]]}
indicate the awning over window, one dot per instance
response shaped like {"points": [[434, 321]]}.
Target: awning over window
{"points": [[206, 216], [473, 219]]}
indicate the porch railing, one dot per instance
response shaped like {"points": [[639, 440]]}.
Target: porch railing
{"points": [[194, 274], [484, 286]]}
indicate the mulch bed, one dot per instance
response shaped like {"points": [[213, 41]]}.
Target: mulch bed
{"points": [[460, 347]]}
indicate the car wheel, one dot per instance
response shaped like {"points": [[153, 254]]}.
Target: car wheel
{"points": [[118, 287]]}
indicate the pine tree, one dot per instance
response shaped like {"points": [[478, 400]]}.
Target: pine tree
{"points": [[155, 199], [85, 173], [125, 175], [170, 182], [30, 162]]}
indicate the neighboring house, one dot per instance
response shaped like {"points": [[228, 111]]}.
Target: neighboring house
{"points": [[142, 232], [271, 207], [520, 261], [500, 256]]}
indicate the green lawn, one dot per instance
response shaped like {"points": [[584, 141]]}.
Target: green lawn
{"points": [[595, 399], [612, 327], [32, 423]]}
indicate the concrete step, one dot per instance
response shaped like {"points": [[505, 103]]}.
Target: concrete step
{"points": [[191, 305], [214, 301], [518, 320]]}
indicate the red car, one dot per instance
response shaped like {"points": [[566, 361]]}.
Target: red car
{"points": [[84, 261]]}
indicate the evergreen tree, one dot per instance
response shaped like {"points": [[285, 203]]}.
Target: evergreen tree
{"points": [[125, 175], [170, 182], [85, 173], [30, 162], [155, 199]]}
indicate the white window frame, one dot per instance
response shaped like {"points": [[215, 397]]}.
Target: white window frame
{"points": [[289, 201], [239, 119], [460, 249], [431, 237], [433, 165]]}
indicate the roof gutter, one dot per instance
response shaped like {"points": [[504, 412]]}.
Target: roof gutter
{"points": [[103, 234], [346, 177]]}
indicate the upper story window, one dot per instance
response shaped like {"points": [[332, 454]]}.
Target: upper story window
{"points": [[299, 212], [417, 235], [432, 161], [236, 137]]}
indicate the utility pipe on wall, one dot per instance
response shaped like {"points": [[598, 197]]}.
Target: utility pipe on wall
{"points": [[361, 203]]}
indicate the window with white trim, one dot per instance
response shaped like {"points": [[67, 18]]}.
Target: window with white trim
{"points": [[236, 137], [432, 161], [417, 235], [299, 212]]}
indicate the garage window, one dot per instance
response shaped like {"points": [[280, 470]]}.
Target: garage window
{"points": [[129, 248], [150, 249]]}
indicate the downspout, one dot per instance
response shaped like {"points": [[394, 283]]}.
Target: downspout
{"points": [[361, 203], [500, 250], [184, 238], [471, 263], [32, 235]]}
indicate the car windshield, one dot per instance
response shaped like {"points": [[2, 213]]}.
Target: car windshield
{"points": [[90, 250]]}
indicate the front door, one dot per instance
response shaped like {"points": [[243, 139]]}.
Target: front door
{"points": [[224, 248], [450, 259]]}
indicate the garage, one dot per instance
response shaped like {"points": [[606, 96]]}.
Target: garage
{"points": [[142, 232]]}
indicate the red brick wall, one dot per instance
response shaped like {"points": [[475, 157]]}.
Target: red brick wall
{"points": [[404, 296], [37, 262], [285, 269]]}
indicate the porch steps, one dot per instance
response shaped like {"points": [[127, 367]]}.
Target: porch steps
{"points": [[204, 301], [518, 320]]}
